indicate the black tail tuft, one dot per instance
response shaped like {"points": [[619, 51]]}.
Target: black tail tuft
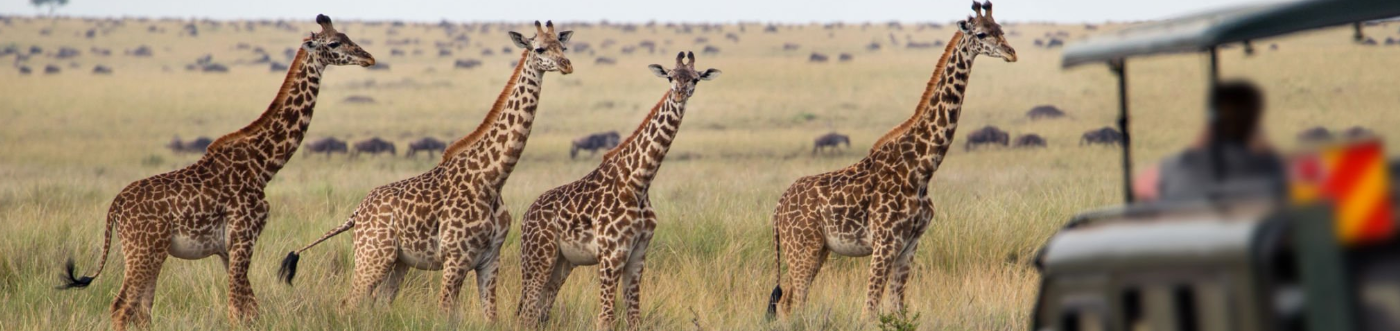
{"points": [[773, 301], [71, 279], [289, 267]]}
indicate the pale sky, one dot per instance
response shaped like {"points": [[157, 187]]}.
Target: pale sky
{"points": [[720, 11]]}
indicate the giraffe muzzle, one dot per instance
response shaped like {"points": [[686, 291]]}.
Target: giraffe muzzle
{"points": [[566, 67], [368, 62]]}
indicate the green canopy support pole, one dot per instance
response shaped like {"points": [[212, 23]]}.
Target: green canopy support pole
{"points": [[1120, 68]]}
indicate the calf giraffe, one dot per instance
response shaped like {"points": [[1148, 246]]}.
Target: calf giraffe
{"points": [[605, 218], [451, 218], [216, 205], [880, 205]]}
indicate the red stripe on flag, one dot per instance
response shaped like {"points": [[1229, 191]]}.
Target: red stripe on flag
{"points": [[1348, 169]]}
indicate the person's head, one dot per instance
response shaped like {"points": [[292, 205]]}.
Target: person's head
{"points": [[1239, 105]]}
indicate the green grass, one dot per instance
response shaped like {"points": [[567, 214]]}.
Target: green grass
{"points": [[71, 141]]}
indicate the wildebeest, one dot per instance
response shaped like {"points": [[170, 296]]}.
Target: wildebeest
{"points": [[817, 57], [198, 145], [327, 145], [1105, 135], [595, 142], [427, 144], [1315, 134], [831, 141], [1044, 112], [374, 146], [1357, 132], [987, 135], [1029, 141]]}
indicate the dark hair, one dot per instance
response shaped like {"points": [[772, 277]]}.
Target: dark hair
{"points": [[1239, 105]]}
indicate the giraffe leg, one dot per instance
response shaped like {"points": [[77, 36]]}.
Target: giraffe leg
{"points": [[887, 248], [243, 230], [375, 257], [609, 274], [133, 303], [560, 273], [389, 288], [632, 283], [804, 255], [901, 274], [454, 274], [539, 254], [486, 283]]}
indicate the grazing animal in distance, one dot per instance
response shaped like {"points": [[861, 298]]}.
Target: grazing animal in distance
{"points": [[217, 205], [427, 144], [327, 145], [594, 142], [987, 135], [1357, 132], [830, 141], [1315, 134], [452, 217], [1104, 135], [1044, 112], [198, 145], [606, 217], [1030, 141], [374, 146], [879, 207]]}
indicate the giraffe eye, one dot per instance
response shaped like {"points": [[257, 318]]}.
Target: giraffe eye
{"points": [[981, 35], [539, 50], [334, 44]]}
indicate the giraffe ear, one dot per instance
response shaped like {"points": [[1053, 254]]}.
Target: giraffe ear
{"points": [[962, 26], [709, 74], [519, 40], [309, 44], [659, 71], [564, 36]]}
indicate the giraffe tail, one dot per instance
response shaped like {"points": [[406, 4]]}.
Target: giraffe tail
{"points": [[289, 264], [778, 288], [71, 279]]}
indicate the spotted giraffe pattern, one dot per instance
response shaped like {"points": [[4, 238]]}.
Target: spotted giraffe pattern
{"points": [[880, 206], [451, 218], [216, 206], [605, 218]]}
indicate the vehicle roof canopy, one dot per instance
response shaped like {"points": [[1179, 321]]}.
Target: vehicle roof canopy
{"points": [[1194, 33]]}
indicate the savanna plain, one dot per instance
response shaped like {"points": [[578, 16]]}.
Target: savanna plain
{"points": [[69, 141]]}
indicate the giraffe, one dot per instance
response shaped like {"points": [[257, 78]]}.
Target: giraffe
{"points": [[605, 218], [451, 218], [879, 206], [216, 206]]}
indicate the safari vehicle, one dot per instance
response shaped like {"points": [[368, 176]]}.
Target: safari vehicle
{"points": [[1319, 252]]}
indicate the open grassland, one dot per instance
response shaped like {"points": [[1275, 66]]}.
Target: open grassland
{"points": [[72, 140]]}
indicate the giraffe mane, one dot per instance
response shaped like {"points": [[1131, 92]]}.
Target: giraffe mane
{"points": [[650, 115], [491, 117], [932, 88], [277, 103]]}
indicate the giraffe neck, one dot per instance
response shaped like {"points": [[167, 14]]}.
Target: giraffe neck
{"points": [[925, 143], [933, 86], [265, 145], [493, 149], [637, 158]]}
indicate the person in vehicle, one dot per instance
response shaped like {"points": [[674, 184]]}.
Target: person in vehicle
{"points": [[1249, 163]]}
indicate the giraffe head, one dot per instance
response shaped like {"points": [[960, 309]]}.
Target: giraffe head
{"points": [[334, 48], [546, 48], [684, 77], [984, 34]]}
